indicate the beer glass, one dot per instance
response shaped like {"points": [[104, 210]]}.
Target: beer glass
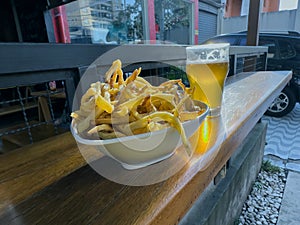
{"points": [[207, 68]]}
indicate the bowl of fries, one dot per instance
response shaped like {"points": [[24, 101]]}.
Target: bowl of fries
{"points": [[134, 122]]}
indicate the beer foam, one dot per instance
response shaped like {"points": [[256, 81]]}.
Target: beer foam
{"points": [[210, 53]]}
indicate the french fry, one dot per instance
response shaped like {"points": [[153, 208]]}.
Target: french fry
{"points": [[168, 117], [102, 103], [133, 76], [114, 67], [84, 124], [99, 128]]}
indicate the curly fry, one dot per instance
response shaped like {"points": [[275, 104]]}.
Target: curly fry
{"points": [[114, 67], [166, 116]]}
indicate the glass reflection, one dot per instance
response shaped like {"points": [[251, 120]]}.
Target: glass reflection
{"points": [[105, 22], [173, 19], [207, 141]]}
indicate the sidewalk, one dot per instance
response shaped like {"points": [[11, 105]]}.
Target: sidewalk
{"points": [[283, 150], [283, 142], [290, 205]]}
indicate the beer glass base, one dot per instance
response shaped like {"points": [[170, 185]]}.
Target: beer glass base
{"points": [[214, 112]]}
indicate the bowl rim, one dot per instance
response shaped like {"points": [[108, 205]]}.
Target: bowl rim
{"points": [[132, 137]]}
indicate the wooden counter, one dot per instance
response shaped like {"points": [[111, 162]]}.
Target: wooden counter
{"points": [[51, 184]]}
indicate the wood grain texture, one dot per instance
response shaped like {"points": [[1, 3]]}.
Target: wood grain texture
{"points": [[29, 169], [84, 197]]}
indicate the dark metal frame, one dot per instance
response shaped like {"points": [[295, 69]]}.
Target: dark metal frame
{"points": [[24, 64]]}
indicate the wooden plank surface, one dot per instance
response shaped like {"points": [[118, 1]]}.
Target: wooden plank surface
{"points": [[85, 197], [17, 108], [27, 170]]}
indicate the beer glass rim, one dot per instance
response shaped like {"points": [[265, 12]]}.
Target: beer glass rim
{"points": [[209, 46]]}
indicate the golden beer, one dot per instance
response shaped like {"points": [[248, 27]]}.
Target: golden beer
{"points": [[207, 68], [208, 79]]}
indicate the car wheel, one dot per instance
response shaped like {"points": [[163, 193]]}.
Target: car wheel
{"points": [[283, 104]]}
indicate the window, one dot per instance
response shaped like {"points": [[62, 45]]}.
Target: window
{"points": [[108, 22], [286, 50], [296, 44], [271, 47], [173, 21], [232, 40]]}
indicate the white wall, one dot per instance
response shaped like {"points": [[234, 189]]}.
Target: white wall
{"points": [[245, 7], [272, 21]]}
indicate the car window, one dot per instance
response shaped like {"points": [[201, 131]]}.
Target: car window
{"points": [[232, 40], [271, 44], [296, 44], [286, 50]]}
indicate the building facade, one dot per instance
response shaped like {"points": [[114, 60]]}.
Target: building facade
{"points": [[240, 7], [274, 16], [136, 21]]}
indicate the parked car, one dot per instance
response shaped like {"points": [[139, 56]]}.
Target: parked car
{"points": [[283, 54]]}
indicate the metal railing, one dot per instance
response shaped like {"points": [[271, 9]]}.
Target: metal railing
{"points": [[247, 58], [22, 110]]}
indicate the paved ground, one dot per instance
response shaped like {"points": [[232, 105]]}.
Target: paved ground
{"points": [[290, 205], [283, 150], [283, 140]]}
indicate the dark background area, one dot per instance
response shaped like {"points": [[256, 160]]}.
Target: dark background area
{"points": [[24, 21]]}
